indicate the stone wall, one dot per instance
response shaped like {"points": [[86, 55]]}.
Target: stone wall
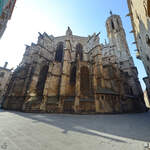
{"points": [[71, 74], [140, 19]]}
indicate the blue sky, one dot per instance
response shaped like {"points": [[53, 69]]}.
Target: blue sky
{"points": [[53, 16]]}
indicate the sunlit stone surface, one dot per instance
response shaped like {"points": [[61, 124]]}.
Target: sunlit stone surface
{"points": [[74, 74]]}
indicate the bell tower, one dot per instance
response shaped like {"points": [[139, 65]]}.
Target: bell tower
{"points": [[117, 37]]}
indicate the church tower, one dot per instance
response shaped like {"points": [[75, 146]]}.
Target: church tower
{"points": [[117, 38]]}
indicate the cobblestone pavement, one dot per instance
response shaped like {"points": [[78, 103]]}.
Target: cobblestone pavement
{"points": [[26, 131]]}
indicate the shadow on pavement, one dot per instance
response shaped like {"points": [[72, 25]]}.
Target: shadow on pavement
{"points": [[113, 127]]}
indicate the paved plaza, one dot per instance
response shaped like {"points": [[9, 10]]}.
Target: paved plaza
{"points": [[26, 131]]}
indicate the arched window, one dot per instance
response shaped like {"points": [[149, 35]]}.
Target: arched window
{"points": [[73, 74], [84, 81], [59, 52], [42, 79], [79, 51]]}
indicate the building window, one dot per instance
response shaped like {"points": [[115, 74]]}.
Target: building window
{"points": [[2, 74], [42, 79], [121, 63], [112, 25], [118, 22], [131, 91], [147, 40], [73, 74], [59, 52], [79, 51], [139, 37], [147, 57], [138, 17], [148, 8], [84, 81], [146, 5]]}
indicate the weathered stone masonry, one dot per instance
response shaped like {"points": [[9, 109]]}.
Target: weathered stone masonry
{"points": [[73, 74]]}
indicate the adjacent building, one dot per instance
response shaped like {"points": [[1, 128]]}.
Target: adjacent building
{"points": [[6, 9], [5, 75], [74, 74], [139, 11], [147, 102]]}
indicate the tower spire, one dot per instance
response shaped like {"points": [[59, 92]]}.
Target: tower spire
{"points": [[111, 13]]}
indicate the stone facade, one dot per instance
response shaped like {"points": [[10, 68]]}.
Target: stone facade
{"points": [[5, 15], [5, 75], [73, 74], [139, 11]]}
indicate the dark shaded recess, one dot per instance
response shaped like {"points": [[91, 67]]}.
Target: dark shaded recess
{"points": [[42, 79], [131, 91], [59, 52], [16, 86], [147, 40], [73, 74], [118, 22], [29, 79], [79, 51], [19, 76], [112, 24], [84, 81], [7, 91], [2, 74], [111, 71], [128, 90], [68, 107], [148, 8]]}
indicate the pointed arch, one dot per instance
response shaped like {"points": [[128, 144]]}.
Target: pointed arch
{"points": [[59, 52], [42, 79], [73, 74], [79, 51]]}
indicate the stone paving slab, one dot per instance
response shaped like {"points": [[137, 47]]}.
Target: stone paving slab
{"points": [[27, 131]]}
